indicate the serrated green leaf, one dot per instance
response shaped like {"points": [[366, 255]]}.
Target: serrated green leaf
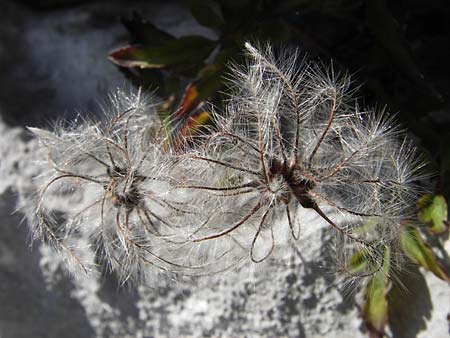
{"points": [[415, 248], [189, 50], [375, 310], [433, 211]]}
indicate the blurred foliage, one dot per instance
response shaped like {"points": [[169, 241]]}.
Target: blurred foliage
{"points": [[183, 123], [433, 212], [375, 310], [399, 50], [417, 251], [419, 243]]}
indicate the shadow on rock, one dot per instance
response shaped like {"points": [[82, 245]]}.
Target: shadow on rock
{"points": [[409, 304], [28, 308]]}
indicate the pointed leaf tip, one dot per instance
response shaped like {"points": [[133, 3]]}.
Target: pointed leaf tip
{"points": [[433, 212], [415, 248]]}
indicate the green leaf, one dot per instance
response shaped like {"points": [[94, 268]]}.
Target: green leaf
{"points": [[415, 248], [145, 32], [210, 81], [132, 56], [358, 262], [210, 78], [207, 13], [433, 211], [188, 50], [375, 310]]}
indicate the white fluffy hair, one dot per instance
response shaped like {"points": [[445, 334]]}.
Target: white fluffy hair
{"points": [[115, 176], [291, 138]]}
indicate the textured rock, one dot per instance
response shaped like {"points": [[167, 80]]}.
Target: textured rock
{"points": [[54, 62]]}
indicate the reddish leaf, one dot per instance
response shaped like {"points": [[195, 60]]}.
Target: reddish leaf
{"points": [[189, 117], [132, 56], [189, 99], [186, 50]]}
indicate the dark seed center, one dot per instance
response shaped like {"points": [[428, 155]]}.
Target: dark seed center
{"points": [[297, 182]]}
